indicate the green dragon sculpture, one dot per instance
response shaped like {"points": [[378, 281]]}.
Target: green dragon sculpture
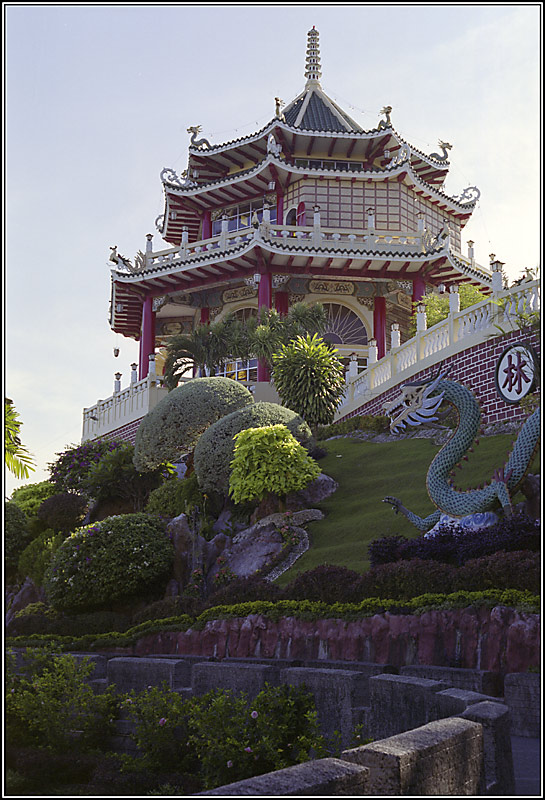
{"points": [[418, 404]]}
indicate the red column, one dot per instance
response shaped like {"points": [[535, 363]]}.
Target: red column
{"points": [[279, 208], [379, 325], [419, 289], [205, 315], [147, 337], [264, 300], [206, 225], [281, 302]]}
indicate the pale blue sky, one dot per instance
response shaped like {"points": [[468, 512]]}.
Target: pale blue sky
{"points": [[98, 99]]}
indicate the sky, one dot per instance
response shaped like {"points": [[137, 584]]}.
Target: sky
{"points": [[98, 98]]}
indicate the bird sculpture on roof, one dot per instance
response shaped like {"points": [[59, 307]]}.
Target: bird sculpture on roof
{"points": [[120, 260], [445, 147], [385, 123]]}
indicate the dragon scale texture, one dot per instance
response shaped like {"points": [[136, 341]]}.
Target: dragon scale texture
{"points": [[443, 495]]}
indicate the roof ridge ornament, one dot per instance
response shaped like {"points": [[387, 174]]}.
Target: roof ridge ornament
{"points": [[385, 123], [445, 147], [279, 114], [200, 143], [313, 66]]}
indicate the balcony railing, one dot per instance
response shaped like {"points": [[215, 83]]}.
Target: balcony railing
{"points": [[504, 312], [122, 408], [326, 238]]}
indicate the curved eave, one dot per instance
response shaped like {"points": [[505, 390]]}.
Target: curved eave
{"points": [[236, 262], [253, 182], [125, 307], [218, 161]]}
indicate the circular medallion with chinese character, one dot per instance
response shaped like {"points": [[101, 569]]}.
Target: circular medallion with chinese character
{"points": [[516, 372]]}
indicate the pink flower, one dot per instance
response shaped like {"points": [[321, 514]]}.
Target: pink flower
{"points": [[254, 715], [162, 721], [247, 749]]}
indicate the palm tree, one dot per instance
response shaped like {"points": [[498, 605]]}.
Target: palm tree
{"points": [[257, 337], [17, 458]]}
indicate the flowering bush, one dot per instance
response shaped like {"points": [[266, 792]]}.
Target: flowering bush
{"points": [[451, 546], [224, 575], [107, 561], [53, 706], [70, 470]]}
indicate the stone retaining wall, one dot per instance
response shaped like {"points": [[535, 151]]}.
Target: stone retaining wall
{"points": [[500, 640]]}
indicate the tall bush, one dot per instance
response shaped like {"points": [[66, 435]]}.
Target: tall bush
{"points": [[215, 448], [115, 476], [63, 512], [16, 535], [309, 378], [269, 460], [173, 427]]}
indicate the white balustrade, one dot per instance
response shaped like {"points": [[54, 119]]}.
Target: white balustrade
{"points": [[462, 329]]}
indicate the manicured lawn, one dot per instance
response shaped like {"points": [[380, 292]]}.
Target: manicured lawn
{"points": [[366, 472]]}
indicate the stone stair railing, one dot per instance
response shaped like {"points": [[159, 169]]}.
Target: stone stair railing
{"points": [[503, 312]]}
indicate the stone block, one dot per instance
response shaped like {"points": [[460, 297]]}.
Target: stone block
{"points": [[401, 702], [451, 702], [337, 693], [236, 676], [138, 673], [367, 668], [441, 758], [325, 777], [498, 756], [523, 698], [475, 680]]}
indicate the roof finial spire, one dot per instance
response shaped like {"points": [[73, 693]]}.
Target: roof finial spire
{"points": [[312, 71]]}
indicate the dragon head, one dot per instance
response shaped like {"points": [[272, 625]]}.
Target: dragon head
{"points": [[415, 405]]}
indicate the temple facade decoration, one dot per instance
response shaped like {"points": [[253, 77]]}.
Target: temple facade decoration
{"points": [[311, 207]]}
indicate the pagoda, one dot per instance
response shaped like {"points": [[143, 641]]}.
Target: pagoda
{"points": [[310, 208]]}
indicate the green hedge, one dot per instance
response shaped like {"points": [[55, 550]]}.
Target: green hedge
{"points": [[300, 609]]}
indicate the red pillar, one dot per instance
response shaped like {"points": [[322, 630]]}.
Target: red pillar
{"points": [[206, 225], [264, 300], [205, 315], [279, 208], [419, 289], [281, 302], [147, 337], [379, 325]]}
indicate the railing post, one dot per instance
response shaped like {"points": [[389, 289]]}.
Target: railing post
{"points": [[454, 308], [395, 344], [149, 249]]}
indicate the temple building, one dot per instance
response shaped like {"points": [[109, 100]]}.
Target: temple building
{"points": [[309, 208]]}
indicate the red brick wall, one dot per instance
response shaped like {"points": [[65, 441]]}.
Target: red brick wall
{"points": [[474, 368], [127, 433]]}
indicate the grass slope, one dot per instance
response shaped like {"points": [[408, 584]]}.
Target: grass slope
{"points": [[366, 472]]}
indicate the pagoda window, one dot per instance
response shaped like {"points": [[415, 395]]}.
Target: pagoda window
{"points": [[343, 327], [240, 216], [327, 163]]}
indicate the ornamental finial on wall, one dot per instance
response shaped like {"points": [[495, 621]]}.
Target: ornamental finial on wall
{"points": [[313, 67]]}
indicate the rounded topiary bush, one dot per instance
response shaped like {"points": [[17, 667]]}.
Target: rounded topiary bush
{"points": [[109, 561], [36, 557], [63, 511], [16, 535], [215, 448], [405, 579], [175, 424], [519, 569], [175, 497]]}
